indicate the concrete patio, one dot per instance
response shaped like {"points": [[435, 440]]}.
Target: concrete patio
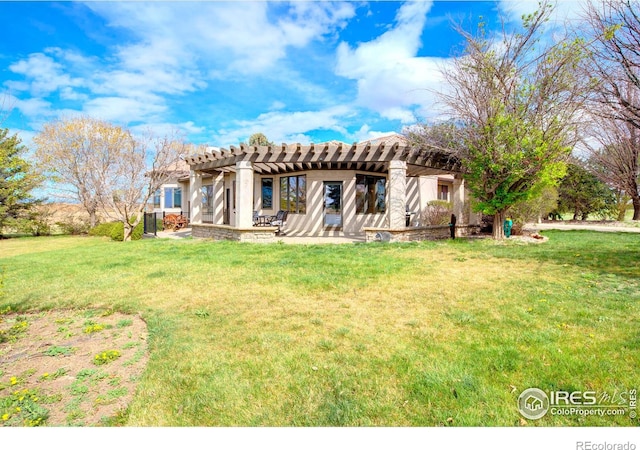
{"points": [[292, 238]]}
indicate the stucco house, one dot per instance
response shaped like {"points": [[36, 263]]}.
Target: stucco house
{"points": [[375, 189], [173, 196]]}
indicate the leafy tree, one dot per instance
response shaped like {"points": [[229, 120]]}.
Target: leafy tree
{"points": [[259, 139], [17, 179], [514, 106], [533, 209], [582, 193], [622, 202]]}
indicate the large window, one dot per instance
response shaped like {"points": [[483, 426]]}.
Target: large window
{"points": [[207, 203], [207, 198], [267, 193], [293, 194], [172, 197], [370, 194]]}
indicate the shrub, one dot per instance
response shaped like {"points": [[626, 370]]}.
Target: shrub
{"points": [[73, 227], [103, 229], [533, 209], [34, 225], [115, 230], [437, 212]]}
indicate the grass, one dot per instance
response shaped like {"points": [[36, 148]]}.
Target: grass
{"points": [[423, 334]]}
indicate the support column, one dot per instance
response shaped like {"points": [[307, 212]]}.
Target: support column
{"points": [[472, 218], [195, 196], [244, 194], [218, 198], [397, 194], [458, 199]]}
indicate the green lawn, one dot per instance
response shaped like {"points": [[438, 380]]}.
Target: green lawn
{"points": [[422, 334]]}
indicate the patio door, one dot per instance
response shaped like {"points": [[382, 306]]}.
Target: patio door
{"points": [[227, 207], [333, 204]]}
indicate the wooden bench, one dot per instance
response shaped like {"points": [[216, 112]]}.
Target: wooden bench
{"points": [[174, 222]]}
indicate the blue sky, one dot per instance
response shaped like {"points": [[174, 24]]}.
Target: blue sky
{"points": [[302, 71]]}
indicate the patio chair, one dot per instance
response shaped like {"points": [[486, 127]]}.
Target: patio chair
{"points": [[279, 220], [255, 218]]}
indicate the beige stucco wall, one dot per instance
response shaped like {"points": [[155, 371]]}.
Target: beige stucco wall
{"points": [[185, 198], [420, 190], [313, 220]]}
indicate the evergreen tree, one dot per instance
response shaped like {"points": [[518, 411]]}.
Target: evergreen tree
{"points": [[17, 179], [582, 193], [259, 139]]}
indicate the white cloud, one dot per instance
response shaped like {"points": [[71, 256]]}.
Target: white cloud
{"points": [[286, 126], [565, 10], [34, 107], [123, 109], [168, 129], [276, 105], [171, 49], [238, 37], [391, 79], [43, 75], [365, 133]]}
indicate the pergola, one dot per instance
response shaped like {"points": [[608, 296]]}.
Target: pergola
{"points": [[331, 155], [397, 160]]}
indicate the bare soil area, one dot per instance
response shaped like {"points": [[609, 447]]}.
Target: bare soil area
{"points": [[69, 368]]}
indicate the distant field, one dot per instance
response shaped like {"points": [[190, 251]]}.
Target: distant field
{"points": [[424, 334]]}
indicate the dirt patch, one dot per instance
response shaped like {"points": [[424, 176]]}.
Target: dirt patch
{"points": [[530, 239], [69, 368]]}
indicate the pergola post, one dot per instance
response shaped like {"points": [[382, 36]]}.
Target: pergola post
{"points": [[397, 194], [195, 195], [218, 198], [458, 198], [244, 194]]}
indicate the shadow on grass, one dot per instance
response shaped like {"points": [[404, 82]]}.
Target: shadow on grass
{"points": [[602, 252]]}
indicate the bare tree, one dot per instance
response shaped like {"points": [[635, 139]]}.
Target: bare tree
{"points": [[614, 44], [614, 100], [614, 157], [126, 187], [514, 103], [71, 151], [105, 167]]}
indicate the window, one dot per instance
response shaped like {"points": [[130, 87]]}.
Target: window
{"points": [[156, 198], [293, 194], [370, 194], [443, 192], [207, 203], [172, 197], [207, 199], [267, 193]]}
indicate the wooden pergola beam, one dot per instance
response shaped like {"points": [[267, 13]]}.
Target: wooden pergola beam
{"points": [[276, 159]]}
